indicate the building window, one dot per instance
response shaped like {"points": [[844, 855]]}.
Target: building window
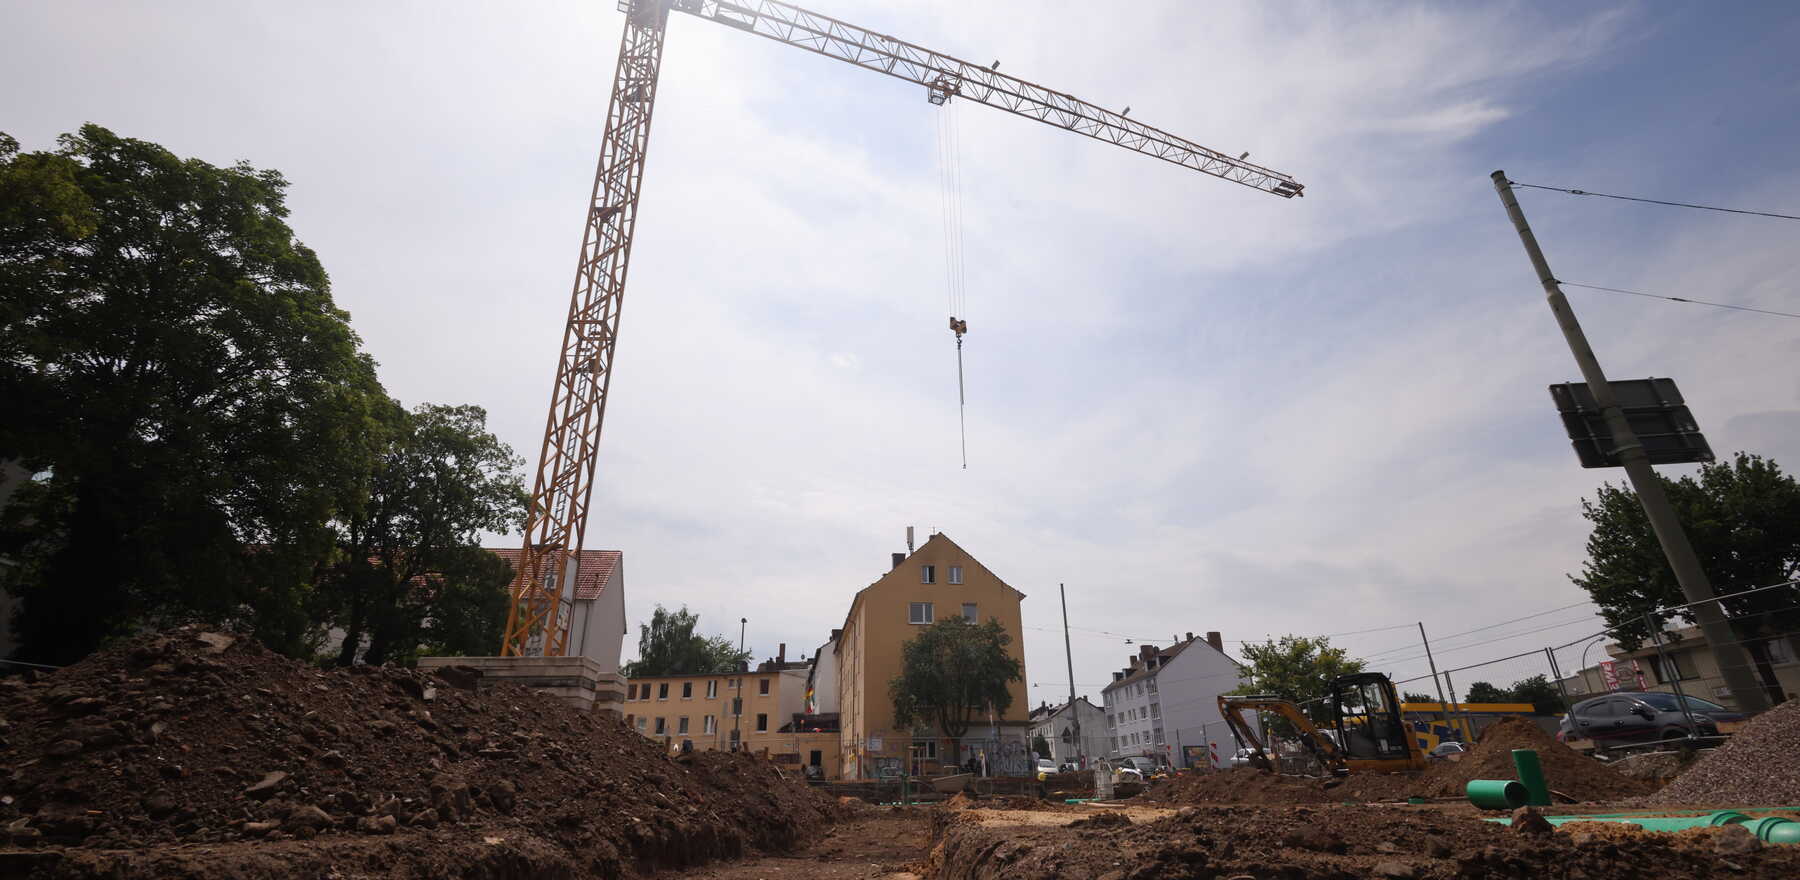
{"points": [[1159, 736], [1151, 684], [631, 692], [927, 574], [737, 705], [661, 727], [709, 725], [642, 723], [1675, 668], [969, 612], [628, 720], [712, 689], [1111, 722], [681, 725], [687, 690], [762, 721], [1155, 710], [956, 574], [662, 691], [919, 612], [1780, 650], [762, 687], [1115, 743]]}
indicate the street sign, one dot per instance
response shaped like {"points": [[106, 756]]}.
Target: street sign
{"points": [[1655, 411]]}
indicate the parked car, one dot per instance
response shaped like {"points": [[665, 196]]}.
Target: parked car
{"points": [[1144, 765], [1240, 759], [1444, 750], [1069, 767], [1633, 718], [1045, 765]]}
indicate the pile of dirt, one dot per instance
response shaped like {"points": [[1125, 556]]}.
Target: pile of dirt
{"points": [[1568, 771], [1301, 843], [1758, 765], [199, 737]]}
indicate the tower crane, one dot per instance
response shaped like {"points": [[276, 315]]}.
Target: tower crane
{"points": [[556, 523]]}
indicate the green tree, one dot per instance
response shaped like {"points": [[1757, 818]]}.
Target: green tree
{"points": [[1483, 692], [1040, 745], [1543, 695], [1415, 697], [410, 572], [668, 645], [194, 405], [1743, 518], [953, 672], [1297, 669]]}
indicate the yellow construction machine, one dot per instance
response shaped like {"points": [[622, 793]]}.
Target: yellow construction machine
{"points": [[1366, 734]]}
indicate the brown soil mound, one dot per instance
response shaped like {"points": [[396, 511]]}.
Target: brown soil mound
{"points": [[1568, 771], [1759, 765], [1301, 843], [194, 737]]}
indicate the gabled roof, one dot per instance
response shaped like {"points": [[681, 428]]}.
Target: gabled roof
{"points": [[1163, 656], [596, 568], [935, 536]]}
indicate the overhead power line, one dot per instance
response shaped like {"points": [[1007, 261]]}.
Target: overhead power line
{"points": [[1698, 302], [1583, 192]]}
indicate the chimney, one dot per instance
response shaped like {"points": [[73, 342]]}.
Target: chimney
{"points": [[1118, 676], [1190, 637], [1145, 652], [898, 558], [1218, 643], [836, 633], [781, 653]]}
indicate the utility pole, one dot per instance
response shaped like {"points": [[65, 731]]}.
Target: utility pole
{"points": [[1442, 703], [1733, 665], [737, 704], [1068, 655]]}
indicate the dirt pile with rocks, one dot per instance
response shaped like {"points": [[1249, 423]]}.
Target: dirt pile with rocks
{"points": [[1337, 842], [1760, 764], [1569, 772], [195, 737]]}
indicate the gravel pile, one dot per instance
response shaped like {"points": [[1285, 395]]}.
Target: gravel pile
{"points": [[1759, 765]]}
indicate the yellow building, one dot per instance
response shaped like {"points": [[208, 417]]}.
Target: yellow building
{"points": [[938, 580], [700, 709]]}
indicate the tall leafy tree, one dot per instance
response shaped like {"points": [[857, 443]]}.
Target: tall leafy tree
{"points": [[953, 672], [668, 645], [1743, 518], [175, 373], [1536, 690], [410, 573], [1298, 669]]}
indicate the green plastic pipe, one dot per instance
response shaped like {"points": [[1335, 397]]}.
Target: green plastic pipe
{"points": [[1496, 794], [1531, 775], [1770, 829]]}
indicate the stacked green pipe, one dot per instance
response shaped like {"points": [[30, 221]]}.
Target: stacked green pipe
{"points": [[1769, 829]]}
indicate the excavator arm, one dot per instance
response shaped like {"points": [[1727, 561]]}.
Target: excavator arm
{"points": [[1232, 709]]}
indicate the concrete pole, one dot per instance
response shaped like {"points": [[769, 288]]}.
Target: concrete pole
{"points": [[1443, 704], [1733, 665], [1069, 656], [737, 706]]}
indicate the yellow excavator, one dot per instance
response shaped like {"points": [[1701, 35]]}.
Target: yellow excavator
{"points": [[1366, 734]]}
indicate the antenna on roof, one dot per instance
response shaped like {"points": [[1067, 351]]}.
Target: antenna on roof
{"points": [[909, 540]]}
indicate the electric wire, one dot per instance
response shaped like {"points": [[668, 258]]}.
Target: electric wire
{"points": [[1583, 192], [1698, 302]]}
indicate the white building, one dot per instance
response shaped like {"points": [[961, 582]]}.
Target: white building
{"points": [[595, 591], [1165, 704], [1056, 724]]}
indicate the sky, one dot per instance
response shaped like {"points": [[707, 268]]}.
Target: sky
{"points": [[1198, 406]]}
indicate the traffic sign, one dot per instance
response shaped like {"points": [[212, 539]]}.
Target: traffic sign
{"points": [[1653, 408]]}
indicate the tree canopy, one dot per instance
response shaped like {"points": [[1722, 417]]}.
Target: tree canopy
{"points": [[198, 406], [1298, 669], [668, 645], [1742, 517], [1537, 690], [953, 672], [409, 572]]}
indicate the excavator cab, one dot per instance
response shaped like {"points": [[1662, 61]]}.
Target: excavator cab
{"points": [[1370, 729]]}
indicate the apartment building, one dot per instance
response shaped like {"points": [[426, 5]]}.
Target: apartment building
{"points": [[1164, 705], [759, 710]]}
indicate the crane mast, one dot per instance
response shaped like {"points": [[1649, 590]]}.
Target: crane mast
{"points": [[556, 523]]}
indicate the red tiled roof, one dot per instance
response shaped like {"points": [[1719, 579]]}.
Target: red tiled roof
{"points": [[597, 567]]}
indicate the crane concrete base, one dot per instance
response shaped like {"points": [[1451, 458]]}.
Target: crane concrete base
{"points": [[578, 681]]}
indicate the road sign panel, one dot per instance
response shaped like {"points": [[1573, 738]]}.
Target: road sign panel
{"points": [[1653, 408]]}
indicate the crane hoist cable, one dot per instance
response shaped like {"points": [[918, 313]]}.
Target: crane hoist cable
{"points": [[949, 145]]}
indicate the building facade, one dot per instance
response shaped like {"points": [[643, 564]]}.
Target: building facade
{"points": [[1058, 725], [761, 711], [938, 580], [1164, 705], [1685, 662]]}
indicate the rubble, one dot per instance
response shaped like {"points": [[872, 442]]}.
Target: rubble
{"points": [[1760, 764]]}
